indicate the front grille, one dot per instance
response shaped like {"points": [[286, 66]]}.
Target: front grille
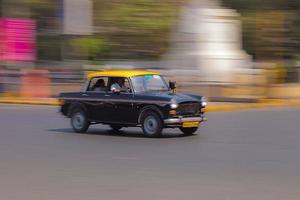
{"points": [[188, 108]]}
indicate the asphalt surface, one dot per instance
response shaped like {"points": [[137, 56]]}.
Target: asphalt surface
{"points": [[240, 155]]}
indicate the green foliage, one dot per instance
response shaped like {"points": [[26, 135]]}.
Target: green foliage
{"points": [[142, 15], [246, 5], [140, 28], [49, 47], [271, 28], [272, 34], [92, 46]]}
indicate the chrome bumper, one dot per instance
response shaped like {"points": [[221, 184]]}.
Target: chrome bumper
{"points": [[180, 120]]}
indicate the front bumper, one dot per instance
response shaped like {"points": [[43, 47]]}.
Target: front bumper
{"points": [[179, 120]]}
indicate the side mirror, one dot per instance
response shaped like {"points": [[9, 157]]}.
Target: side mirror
{"points": [[115, 90], [172, 85]]}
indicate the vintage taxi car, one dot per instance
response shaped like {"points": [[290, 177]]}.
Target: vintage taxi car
{"points": [[131, 98]]}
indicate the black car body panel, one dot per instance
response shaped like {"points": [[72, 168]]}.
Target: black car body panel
{"points": [[125, 108]]}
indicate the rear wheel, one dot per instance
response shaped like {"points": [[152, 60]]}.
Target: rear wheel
{"points": [[151, 124], [79, 121], [188, 131]]}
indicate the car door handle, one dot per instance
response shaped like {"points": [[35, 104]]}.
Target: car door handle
{"points": [[85, 95], [107, 95]]}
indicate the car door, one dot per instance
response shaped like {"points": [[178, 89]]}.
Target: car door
{"points": [[122, 111], [121, 106], [95, 100]]}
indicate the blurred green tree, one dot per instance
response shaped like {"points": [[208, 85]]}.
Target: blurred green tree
{"points": [[139, 28], [271, 28], [90, 46]]}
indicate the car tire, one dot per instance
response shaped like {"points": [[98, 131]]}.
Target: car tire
{"points": [[188, 131], [79, 121], [115, 127], [151, 124]]}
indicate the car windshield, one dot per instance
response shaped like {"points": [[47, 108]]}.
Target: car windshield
{"points": [[146, 83]]}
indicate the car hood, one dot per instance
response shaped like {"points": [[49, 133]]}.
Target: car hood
{"points": [[171, 97]]}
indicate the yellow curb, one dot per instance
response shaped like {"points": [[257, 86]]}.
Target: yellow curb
{"points": [[251, 106], [30, 102], [289, 101]]}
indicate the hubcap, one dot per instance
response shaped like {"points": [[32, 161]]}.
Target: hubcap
{"points": [[150, 125], [78, 120]]}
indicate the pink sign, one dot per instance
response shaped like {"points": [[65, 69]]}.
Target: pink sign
{"points": [[17, 40]]}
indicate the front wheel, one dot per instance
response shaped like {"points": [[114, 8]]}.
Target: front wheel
{"points": [[188, 131], [79, 121], [151, 124]]}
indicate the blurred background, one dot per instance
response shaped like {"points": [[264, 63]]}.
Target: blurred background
{"points": [[225, 49]]}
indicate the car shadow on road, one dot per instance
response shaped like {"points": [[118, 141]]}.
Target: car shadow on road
{"points": [[121, 133]]}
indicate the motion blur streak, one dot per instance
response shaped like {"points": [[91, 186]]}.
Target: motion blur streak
{"points": [[226, 50]]}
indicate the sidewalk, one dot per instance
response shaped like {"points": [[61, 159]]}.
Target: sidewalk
{"points": [[212, 106]]}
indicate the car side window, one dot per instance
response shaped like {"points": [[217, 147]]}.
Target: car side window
{"points": [[98, 84], [121, 83], [85, 86], [127, 85]]}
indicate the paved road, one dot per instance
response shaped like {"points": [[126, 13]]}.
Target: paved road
{"points": [[241, 155]]}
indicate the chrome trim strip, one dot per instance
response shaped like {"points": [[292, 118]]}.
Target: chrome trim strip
{"points": [[181, 120], [113, 100]]}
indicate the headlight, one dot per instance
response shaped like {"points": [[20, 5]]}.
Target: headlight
{"points": [[204, 102], [174, 105]]}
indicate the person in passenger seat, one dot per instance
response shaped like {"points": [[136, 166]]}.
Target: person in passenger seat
{"points": [[99, 86]]}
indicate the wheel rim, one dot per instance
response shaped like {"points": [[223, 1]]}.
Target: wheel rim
{"points": [[78, 121], [150, 125]]}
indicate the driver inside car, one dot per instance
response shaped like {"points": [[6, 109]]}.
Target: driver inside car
{"points": [[119, 85]]}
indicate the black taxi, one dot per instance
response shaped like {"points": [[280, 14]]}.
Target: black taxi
{"points": [[128, 98]]}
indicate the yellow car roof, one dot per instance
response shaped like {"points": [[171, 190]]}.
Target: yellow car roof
{"points": [[121, 73]]}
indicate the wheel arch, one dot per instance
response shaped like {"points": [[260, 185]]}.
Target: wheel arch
{"points": [[76, 105], [153, 108]]}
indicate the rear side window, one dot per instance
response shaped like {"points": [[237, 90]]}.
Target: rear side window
{"points": [[98, 84], [85, 86]]}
